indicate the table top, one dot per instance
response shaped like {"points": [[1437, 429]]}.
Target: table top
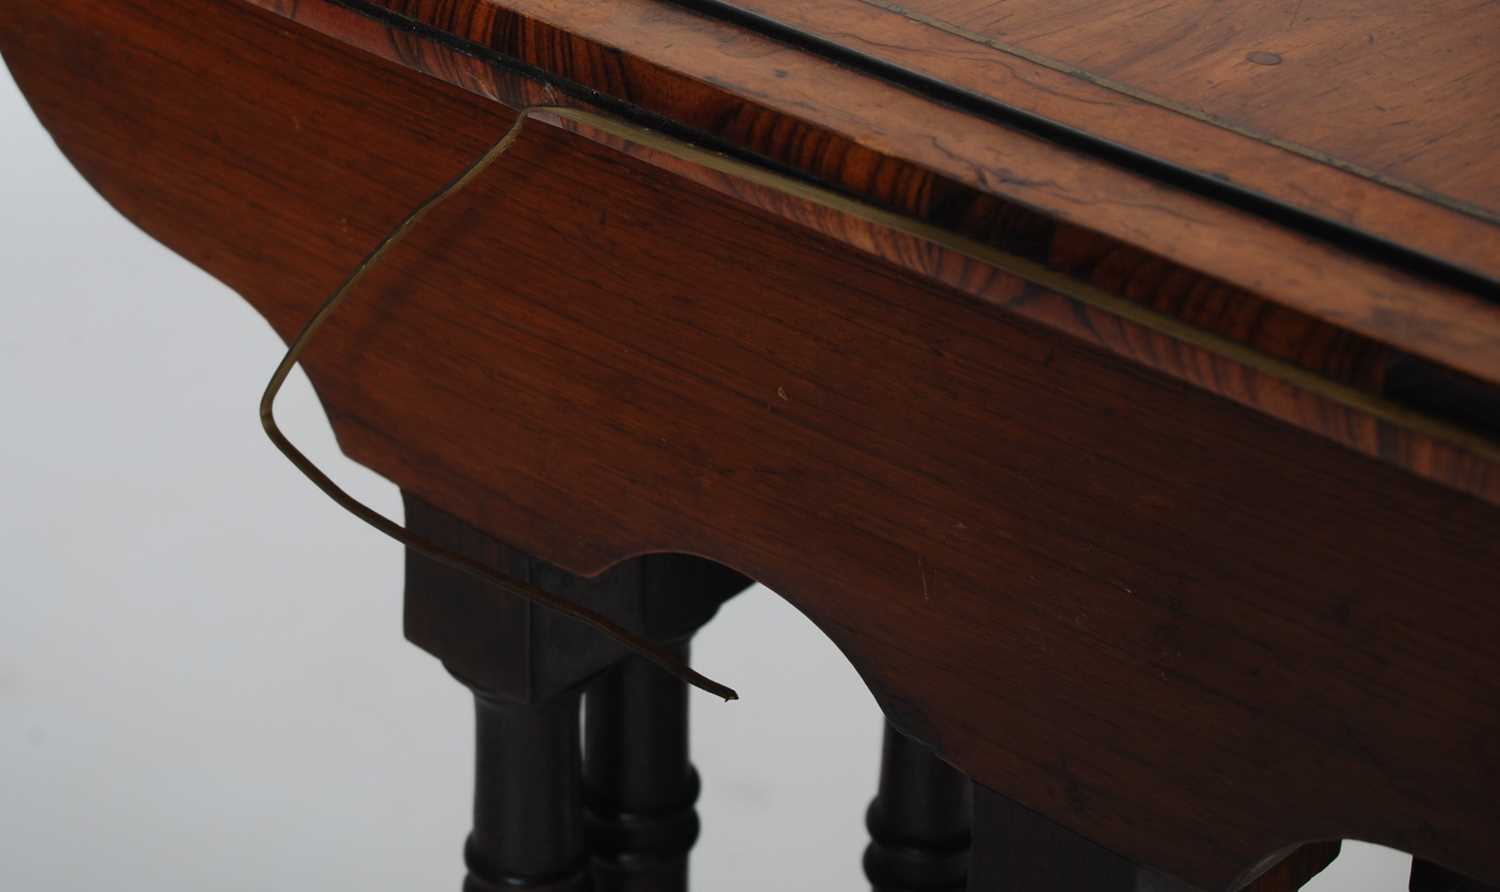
{"points": [[1267, 232], [1399, 94], [1180, 146], [1344, 304]]}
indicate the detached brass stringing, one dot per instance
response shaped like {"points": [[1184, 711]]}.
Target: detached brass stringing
{"points": [[532, 593], [1032, 271]]}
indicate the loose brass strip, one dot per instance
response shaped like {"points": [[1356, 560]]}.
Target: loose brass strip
{"points": [[1019, 266], [433, 550]]}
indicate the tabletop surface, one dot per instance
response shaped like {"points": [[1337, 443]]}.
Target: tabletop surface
{"points": [[1389, 92]]}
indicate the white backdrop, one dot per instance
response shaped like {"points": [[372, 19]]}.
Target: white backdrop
{"points": [[203, 683]]}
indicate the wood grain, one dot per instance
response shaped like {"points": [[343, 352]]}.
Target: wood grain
{"points": [[1288, 341], [854, 131], [1201, 302], [1187, 633], [1400, 94]]}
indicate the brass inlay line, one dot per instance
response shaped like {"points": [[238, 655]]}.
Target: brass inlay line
{"points": [[1036, 273]]}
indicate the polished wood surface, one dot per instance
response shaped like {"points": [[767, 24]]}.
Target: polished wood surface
{"points": [[1401, 92], [854, 130], [1398, 93], [1182, 628], [1173, 295], [1330, 348]]}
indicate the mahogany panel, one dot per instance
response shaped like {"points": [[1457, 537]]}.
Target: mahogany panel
{"points": [[1125, 274], [1463, 458], [1188, 633]]}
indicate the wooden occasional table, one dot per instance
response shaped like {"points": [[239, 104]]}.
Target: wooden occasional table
{"points": [[1115, 383]]}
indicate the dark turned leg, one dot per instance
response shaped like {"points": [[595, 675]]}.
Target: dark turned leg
{"points": [[639, 787], [528, 828], [527, 666], [1019, 850], [919, 821]]}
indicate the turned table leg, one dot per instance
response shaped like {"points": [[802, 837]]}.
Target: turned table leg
{"points": [[528, 826], [639, 787], [528, 667], [919, 821]]}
